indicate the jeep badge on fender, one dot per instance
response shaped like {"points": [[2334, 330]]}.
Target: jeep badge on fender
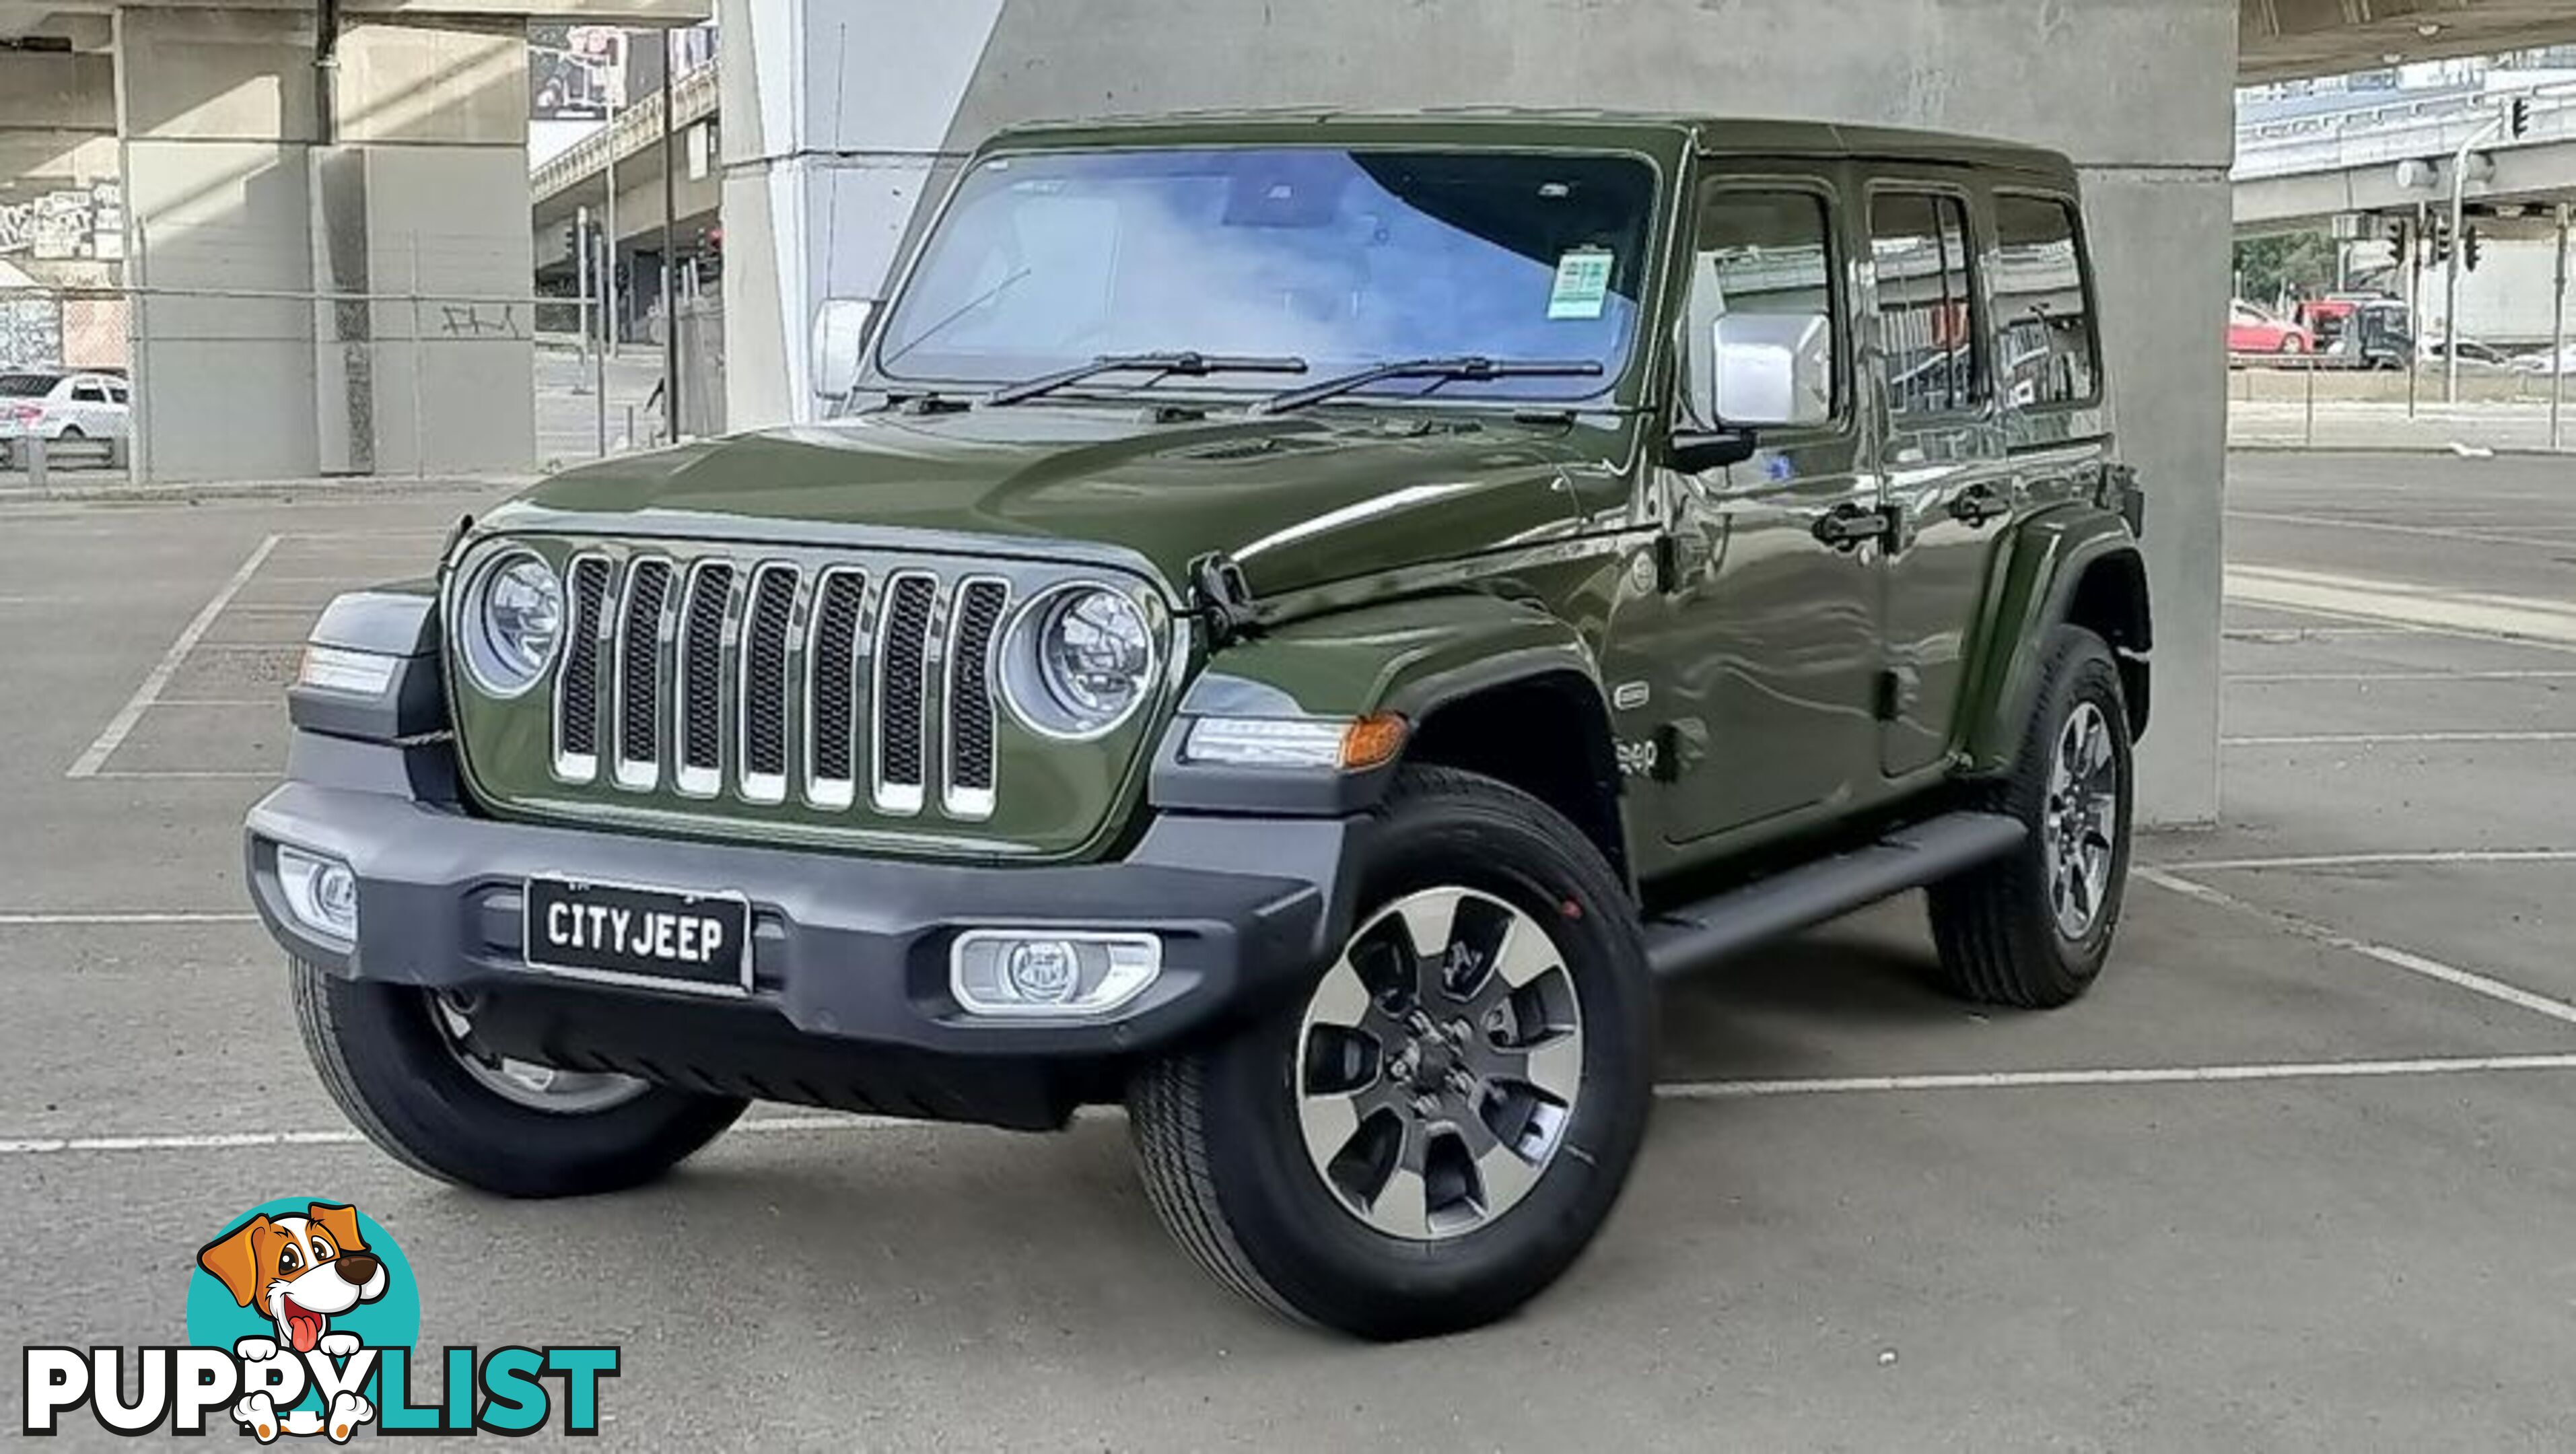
{"points": [[1291, 623]]}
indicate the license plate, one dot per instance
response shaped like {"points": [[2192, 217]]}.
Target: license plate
{"points": [[664, 938]]}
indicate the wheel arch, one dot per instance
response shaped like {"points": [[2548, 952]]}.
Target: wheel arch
{"points": [[2074, 567], [1450, 665]]}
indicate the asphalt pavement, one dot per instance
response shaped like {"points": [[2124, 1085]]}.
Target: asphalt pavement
{"points": [[2293, 1177]]}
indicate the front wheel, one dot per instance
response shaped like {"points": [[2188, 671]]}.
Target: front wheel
{"points": [[2032, 929], [1433, 1132], [404, 1065]]}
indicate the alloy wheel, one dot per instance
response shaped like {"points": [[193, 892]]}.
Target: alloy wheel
{"points": [[2082, 814], [525, 1082], [1438, 1064]]}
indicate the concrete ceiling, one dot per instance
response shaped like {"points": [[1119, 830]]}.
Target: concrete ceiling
{"points": [[2284, 40]]}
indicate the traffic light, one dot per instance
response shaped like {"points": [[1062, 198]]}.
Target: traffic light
{"points": [[2518, 118], [2438, 246], [2471, 247]]}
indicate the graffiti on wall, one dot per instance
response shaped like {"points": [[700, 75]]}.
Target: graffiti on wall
{"points": [[66, 223]]}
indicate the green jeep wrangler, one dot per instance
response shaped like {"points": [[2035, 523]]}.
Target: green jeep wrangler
{"points": [[1295, 622]]}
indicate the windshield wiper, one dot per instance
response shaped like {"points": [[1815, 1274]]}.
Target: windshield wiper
{"points": [[1465, 368], [1161, 365]]}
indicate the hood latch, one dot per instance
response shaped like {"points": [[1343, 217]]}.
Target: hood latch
{"points": [[1223, 599]]}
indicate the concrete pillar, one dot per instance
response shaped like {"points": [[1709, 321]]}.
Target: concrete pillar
{"points": [[840, 113], [246, 201]]}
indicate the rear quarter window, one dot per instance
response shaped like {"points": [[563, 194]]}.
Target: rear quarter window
{"points": [[2051, 355]]}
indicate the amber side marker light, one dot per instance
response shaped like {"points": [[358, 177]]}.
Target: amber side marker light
{"points": [[1373, 741]]}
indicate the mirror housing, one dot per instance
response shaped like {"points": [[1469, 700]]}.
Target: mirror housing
{"points": [[1772, 371], [839, 343]]}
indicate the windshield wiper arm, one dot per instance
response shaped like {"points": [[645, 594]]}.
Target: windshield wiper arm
{"points": [[1465, 368], [1161, 365]]}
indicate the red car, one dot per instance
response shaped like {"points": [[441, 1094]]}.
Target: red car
{"points": [[2251, 330]]}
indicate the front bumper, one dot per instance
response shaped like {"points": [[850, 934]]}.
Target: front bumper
{"points": [[847, 953]]}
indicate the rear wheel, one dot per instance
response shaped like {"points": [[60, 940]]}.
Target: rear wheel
{"points": [[405, 1067], [2033, 928], [1436, 1129]]}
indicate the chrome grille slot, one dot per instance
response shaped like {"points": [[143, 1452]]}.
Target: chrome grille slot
{"points": [[767, 629], [967, 790], [903, 692], [701, 717], [831, 690], [643, 622], [577, 703]]}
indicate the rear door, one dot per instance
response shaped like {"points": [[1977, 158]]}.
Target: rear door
{"points": [[1945, 484]]}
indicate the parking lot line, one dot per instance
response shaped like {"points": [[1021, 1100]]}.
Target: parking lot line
{"points": [[2338, 522], [165, 774], [118, 726], [2433, 856], [2367, 739], [2400, 676], [2390, 955], [1702, 1090], [129, 916]]}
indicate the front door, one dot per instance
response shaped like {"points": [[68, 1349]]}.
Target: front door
{"points": [[1948, 487], [1768, 615]]}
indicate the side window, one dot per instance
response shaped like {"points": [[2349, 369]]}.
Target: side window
{"points": [[2049, 349], [88, 393], [1759, 252], [1927, 313]]}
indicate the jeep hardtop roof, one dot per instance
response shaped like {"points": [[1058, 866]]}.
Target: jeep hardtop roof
{"points": [[1499, 125]]}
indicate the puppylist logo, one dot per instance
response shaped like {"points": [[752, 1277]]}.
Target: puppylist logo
{"points": [[301, 1318]]}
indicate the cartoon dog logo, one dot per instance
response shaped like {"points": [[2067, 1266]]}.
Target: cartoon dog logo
{"points": [[298, 1272]]}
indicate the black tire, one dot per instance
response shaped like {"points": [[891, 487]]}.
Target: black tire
{"points": [[1216, 1129], [1997, 928], [393, 1073]]}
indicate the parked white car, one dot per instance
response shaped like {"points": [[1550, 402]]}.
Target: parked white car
{"points": [[61, 404]]}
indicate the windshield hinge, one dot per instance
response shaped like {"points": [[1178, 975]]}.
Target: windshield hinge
{"points": [[1222, 599]]}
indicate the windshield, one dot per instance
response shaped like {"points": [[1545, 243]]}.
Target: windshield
{"points": [[26, 386], [1345, 259]]}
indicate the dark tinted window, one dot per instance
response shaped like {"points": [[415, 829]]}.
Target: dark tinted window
{"points": [[1927, 314], [2047, 337], [1759, 252], [27, 386]]}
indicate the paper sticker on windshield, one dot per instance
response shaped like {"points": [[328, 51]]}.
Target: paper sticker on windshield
{"points": [[1582, 283]]}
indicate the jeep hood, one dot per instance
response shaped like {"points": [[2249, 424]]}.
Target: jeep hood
{"points": [[1298, 500]]}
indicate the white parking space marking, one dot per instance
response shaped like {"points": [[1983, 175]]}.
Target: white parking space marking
{"points": [[1704, 1090], [2390, 955], [1728, 1090], [2401, 676], [2372, 739], [2428, 857], [2365, 598], [216, 774], [41, 917], [2331, 522], [95, 757]]}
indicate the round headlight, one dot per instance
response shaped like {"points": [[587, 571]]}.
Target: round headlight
{"points": [[514, 622], [1080, 659]]}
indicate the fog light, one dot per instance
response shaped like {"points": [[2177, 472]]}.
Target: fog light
{"points": [[1050, 972], [321, 892]]}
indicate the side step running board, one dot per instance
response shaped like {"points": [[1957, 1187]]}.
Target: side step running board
{"points": [[1926, 853]]}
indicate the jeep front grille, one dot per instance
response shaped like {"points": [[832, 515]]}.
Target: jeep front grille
{"points": [[762, 679]]}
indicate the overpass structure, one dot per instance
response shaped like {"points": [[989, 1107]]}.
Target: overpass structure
{"points": [[313, 213], [562, 186], [2397, 151]]}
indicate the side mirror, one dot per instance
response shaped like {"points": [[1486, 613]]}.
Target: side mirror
{"points": [[839, 342], [1772, 370]]}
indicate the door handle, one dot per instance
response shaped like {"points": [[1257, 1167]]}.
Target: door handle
{"points": [[1849, 527], [1978, 505]]}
